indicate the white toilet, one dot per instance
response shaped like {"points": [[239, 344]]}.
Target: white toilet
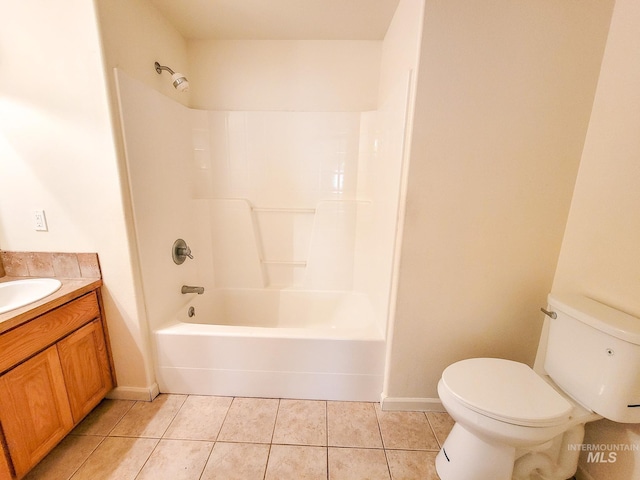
{"points": [[512, 422]]}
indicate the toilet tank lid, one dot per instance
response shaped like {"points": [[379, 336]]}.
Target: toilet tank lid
{"points": [[597, 315]]}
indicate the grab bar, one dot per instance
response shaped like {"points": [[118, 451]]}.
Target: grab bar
{"points": [[282, 210]]}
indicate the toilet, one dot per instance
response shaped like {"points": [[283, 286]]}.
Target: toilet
{"points": [[512, 422]]}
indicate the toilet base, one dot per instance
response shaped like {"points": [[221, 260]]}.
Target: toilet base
{"points": [[464, 456]]}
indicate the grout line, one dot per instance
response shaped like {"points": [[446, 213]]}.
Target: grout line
{"points": [[275, 422], [147, 459], [433, 430], [226, 414], [206, 462], [386, 457], [326, 424], [384, 447], [87, 457], [173, 419], [326, 434], [120, 419], [266, 464], [375, 410]]}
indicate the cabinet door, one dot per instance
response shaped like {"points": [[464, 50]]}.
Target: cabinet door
{"points": [[5, 468], [34, 410], [86, 369]]}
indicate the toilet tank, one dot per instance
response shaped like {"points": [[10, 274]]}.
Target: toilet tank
{"points": [[593, 354]]}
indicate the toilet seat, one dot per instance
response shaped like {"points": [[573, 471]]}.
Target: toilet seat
{"points": [[507, 391]]}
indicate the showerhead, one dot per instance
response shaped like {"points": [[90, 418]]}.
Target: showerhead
{"points": [[180, 82]]}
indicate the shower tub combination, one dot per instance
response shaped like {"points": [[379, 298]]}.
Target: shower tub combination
{"points": [[273, 343], [292, 220]]}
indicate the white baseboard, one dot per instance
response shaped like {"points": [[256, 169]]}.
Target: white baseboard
{"points": [[135, 393], [407, 404]]}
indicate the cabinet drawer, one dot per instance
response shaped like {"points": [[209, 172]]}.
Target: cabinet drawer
{"points": [[37, 334]]}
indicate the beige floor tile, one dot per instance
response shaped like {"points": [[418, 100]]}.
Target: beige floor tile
{"points": [[442, 423], [149, 419], [176, 460], [117, 458], [199, 418], [237, 461], [412, 465], [295, 462], [357, 464], [249, 420], [301, 422], [65, 459], [406, 430], [104, 417], [352, 424]]}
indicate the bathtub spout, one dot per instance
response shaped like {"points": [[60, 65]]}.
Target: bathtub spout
{"points": [[188, 289]]}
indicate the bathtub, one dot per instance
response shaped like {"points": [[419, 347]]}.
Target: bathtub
{"points": [[273, 343]]}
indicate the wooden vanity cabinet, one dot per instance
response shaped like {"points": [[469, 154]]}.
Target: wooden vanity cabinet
{"points": [[55, 369]]}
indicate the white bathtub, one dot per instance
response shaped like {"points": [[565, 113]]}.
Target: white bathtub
{"points": [[273, 343]]}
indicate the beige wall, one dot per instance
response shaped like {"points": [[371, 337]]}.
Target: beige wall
{"points": [[600, 254], [301, 75], [504, 95], [134, 36], [57, 154], [399, 65]]}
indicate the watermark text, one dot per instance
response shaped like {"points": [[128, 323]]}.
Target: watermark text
{"points": [[603, 452]]}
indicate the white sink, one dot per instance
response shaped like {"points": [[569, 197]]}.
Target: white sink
{"points": [[18, 293]]}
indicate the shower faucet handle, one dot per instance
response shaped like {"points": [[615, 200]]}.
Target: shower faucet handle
{"points": [[189, 289], [180, 251]]}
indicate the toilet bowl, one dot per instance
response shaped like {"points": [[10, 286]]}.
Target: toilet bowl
{"points": [[503, 400], [501, 408], [510, 419]]}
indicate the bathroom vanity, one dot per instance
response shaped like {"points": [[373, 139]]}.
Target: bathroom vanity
{"points": [[55, 367]]}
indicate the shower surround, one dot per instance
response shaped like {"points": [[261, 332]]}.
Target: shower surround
{"points": [[291, 218]]}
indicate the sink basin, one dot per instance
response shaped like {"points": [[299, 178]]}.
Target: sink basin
{"points": [[18, 293]]}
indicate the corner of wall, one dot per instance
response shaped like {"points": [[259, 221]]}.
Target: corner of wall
{"points": [[143, 394]]}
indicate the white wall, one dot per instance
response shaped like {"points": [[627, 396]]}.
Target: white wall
{"points": [[600, 254], [299, 75], [57, 154], [504, 95]]}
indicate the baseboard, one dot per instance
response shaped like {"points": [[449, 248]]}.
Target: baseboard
{"points": [[408, 404], [135, 393]]}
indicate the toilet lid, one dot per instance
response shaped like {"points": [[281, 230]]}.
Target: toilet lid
{"points": [[507, 391]]}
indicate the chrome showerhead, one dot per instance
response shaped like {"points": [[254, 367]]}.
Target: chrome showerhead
{"points": [[180, 82]]}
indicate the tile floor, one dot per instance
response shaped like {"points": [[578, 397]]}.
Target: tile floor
{"points": [[184, 437]]}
